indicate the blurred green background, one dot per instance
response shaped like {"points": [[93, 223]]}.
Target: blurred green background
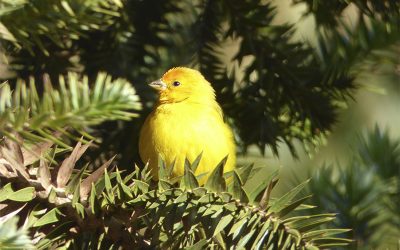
{"points": [[375, 103]]}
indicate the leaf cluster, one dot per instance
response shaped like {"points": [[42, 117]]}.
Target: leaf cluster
{"points": [[49, 43], [74, 105], [289, 89], [364, 192], [326, 13], [106, 208], [12, 237]]}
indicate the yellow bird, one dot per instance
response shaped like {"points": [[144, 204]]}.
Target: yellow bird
{"points": [[185, 122]]}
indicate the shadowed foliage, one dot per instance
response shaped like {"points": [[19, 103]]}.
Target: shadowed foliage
{"points": [[76, 74]]}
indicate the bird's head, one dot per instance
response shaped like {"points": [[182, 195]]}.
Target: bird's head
{"points": [[183, 84]]}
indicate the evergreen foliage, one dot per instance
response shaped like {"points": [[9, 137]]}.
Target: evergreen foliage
{"points": [[107, 209], [289, 89], [67, 61], [73, 106], [365, 193]]}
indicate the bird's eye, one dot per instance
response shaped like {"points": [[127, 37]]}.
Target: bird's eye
{"points": [[176, 83]]}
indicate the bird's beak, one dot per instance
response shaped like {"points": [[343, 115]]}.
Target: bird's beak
{"points": [[158, 85]]}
